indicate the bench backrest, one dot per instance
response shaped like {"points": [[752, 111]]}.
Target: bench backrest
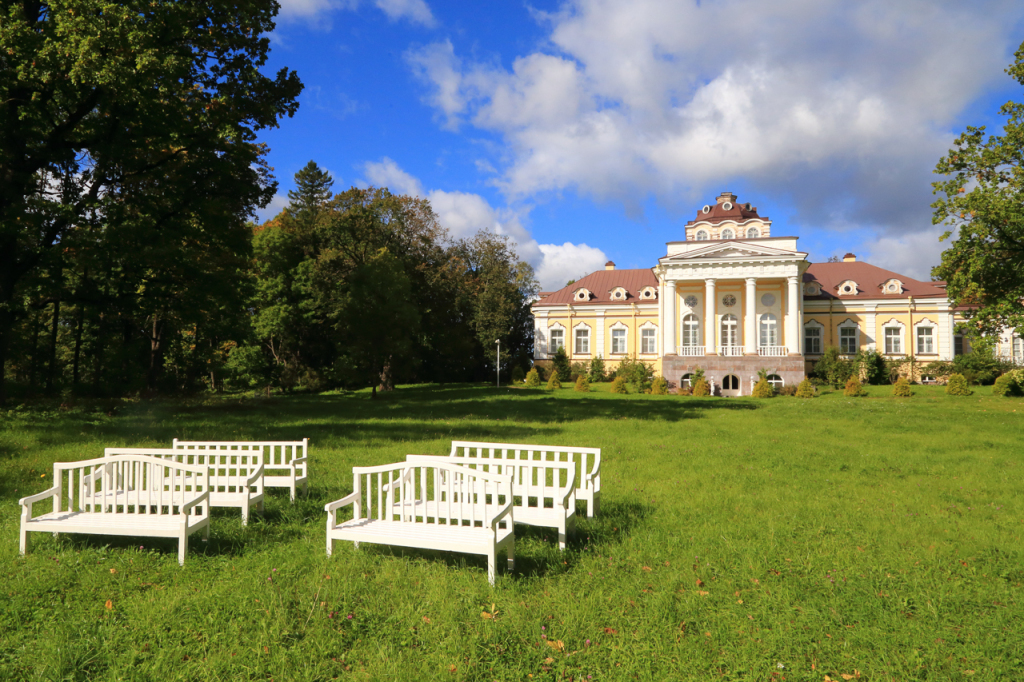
{"points": [[535, 483], [588, 460], [276, 453], [228, 470], [128, 484], [437, 492]]}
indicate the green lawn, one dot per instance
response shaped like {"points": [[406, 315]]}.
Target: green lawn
{"points": [[778, 539]]}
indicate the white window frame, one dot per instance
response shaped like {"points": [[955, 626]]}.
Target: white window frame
{"points": [[552, 345], [648, 330], [728, 233], [694, 330], [819, 329], [701, 236], [844, 348], [753, 233], [585, 330], [776, 381], [768, 330], [729, 321], [932, 336], [620, 334], [896, 348]]}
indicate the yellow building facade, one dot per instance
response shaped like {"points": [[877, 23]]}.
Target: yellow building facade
{"points": [[732, 299]]}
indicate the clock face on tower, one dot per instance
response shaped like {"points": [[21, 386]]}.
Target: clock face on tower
{"points": [[690, 301], [728, 300]]}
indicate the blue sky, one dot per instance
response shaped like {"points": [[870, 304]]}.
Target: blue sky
{"points": [[594, 129]]}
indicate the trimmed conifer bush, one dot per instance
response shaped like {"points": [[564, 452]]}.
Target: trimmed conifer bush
{"points": [[805, 389], [1006, 387], [618, 385], [901, 389], [533, 378], [582, 384], [853, 388], [517, 375], [700, 387], [553, 382], [762, 389], [957, 385], [659, 386]]}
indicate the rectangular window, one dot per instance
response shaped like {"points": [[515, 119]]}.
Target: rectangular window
{"points": [[1018, 350], [958, 345], [848, 340], [582, 340], [557, 340], [893, 340], [925, 341], [618, 340], [648, 341], [812, 340]]}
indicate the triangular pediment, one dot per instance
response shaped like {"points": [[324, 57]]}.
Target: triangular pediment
{"points": [[732, 251]]}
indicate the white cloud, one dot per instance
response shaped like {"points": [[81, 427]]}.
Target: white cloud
{"points": [[316, 12], [276, 205], [416, 11], [841, 107], [912, 254], [465, 213]]}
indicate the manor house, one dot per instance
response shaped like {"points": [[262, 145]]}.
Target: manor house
{"points": [[733, 299]]}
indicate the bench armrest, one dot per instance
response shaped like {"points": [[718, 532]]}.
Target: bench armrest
{"points": [[298, 460], [38, 497], [257, 475], [348, 499], [202, 497], [570, 487], [404, 478]]}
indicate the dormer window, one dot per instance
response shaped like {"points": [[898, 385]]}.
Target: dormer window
{"points": [[702, 235], [727, 233], [648, 293], [618, 294], [582, 294], [848, 288], [893, 286], [753, 233], [812, 289]]}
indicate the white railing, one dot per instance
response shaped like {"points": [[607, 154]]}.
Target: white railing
{"points": [[773, 351], [691, 351], [730, 351]]}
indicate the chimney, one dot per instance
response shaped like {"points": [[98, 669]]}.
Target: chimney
{"points": [[609, 265], [726, 196], [849, 258]]}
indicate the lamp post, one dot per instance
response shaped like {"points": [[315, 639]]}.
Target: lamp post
{"points": [[497, 365]]}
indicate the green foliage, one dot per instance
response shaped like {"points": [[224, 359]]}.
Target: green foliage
{"points": [[582, 384], [517, 375], [659, 386], [957, 385], [697, 375], [553, 382], [595, 372], [560, 364], [579, 369], [762, 389], [533, 378], [1006, 386], [805, 389], [983, 209], [901, 389], [636, 373], [618, 385], [874, 367], [833, 369], [980, 366], [853, 389], [788, 390], [699, 387]]}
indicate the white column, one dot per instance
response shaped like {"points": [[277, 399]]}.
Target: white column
{"points": [[670, 319], [792, 317], [871, 328], [750, 318], [661, 316], [709, 317], [598, 350]]}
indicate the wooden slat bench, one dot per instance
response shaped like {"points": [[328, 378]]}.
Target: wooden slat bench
{"points": [[131, 495], [286, 463], [536, 484], [235, 477], [454, 509], [588, 460]]}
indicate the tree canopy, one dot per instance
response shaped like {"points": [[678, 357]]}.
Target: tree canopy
{"points": [[983, 206]]}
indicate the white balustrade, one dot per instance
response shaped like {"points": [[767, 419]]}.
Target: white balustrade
{"points": [[773, 351], [730, 351], [691, 351]]}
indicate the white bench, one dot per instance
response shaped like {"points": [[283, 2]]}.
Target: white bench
{"points": [[588, 475], [131, 495], [286, 462], [235, 476], [453, 509], [535, 484]]}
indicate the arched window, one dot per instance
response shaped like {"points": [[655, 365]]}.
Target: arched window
{"points": [[769, 330], [702, 235], [729, 325], [685, 380], [691, 330], [730, 383], [753, 233], [727, 233], [776, 381]]}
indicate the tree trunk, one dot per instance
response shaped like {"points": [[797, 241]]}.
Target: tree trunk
{"points": [[34, 367], [98, 357], [387, 382], [52, 365], [6, 322], [78, 345], [154, 353]]}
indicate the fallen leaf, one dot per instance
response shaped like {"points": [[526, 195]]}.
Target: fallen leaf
{"points": [[425, 619], [452, 668], [113, 570], [486, 616], [739, 601], [557, 645], [647, 568], [610, 631], [109, 605], [702, 593], [845, 676], [549, 660], [700, 583]]}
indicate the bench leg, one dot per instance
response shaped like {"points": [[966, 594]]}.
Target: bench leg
{"points": [[291, 489], [182, 548], [561, 535], [245, 513], [593, 504], [492, 560], [23, 544], [330, 546], [510, 551]]}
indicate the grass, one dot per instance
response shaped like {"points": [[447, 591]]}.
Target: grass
{"points": [[739, 539]]}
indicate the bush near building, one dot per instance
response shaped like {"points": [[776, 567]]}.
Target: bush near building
{"points": [[805, 389], [762, 389], [659, 386], [1006, 386], [700, 387], [618, 385], [901, 389], [517, 375], [957, 385], [596, 371], [553, 382], [582, 384], [853, 388], [533, 378]]}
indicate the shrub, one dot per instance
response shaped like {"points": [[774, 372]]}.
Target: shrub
{"points": [[833, 369], [787, 390], [517, 375], [957, 385], [980, 365], [596, 371], [533, 378], [636, 373], [874, 366], [553, 382], [853, 388], [1006, 386], [700, 387], [901, 389], [618, 385], [578, 369], [684, 390], [805, 389], [560, 363], [762, 389], [659, 386], [582, 385]]}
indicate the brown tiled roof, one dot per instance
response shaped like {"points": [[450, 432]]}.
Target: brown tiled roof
{"points": [[738, 212], [869, 279], [601, 283]]}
